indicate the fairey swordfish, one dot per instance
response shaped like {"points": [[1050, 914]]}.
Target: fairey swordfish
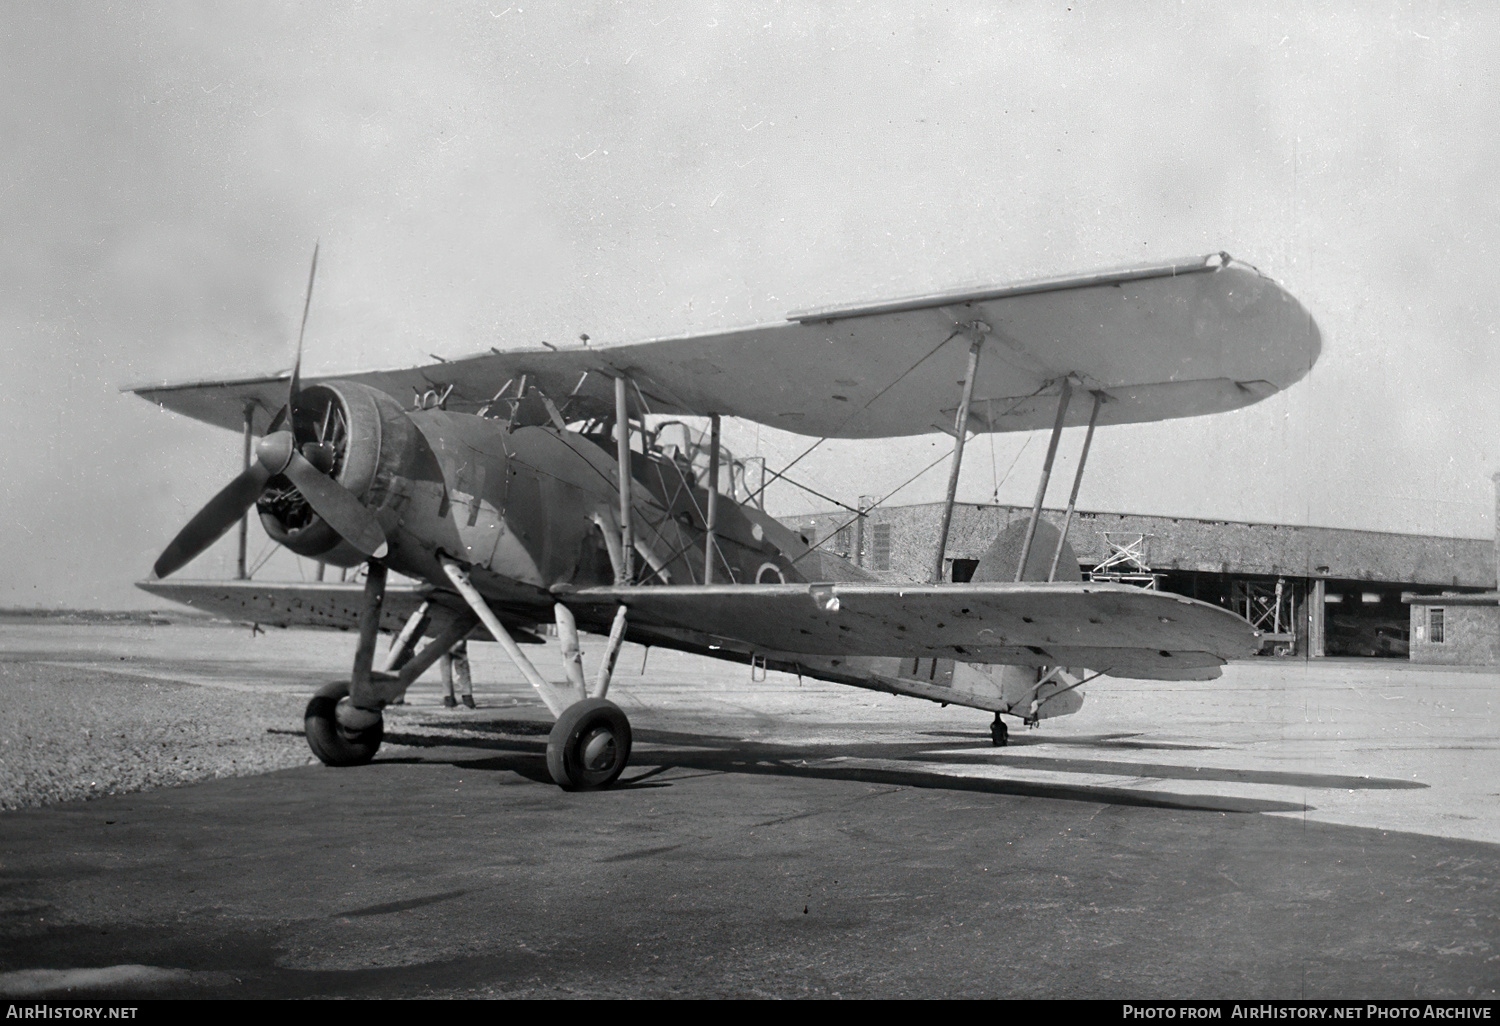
{"points": [[525, 487]]}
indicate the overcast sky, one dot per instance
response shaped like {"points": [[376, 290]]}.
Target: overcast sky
{"points": [[498, 174]]}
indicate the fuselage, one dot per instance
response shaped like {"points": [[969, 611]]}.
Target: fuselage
{"points": [[533, 509], [536, 508]]}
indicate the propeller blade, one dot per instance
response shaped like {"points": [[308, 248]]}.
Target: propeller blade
{"points": [[214, 520], [295, 385], [338, 507]]}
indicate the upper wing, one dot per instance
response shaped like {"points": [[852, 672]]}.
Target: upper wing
{"points": [[1173, 340], [1112, 628]]}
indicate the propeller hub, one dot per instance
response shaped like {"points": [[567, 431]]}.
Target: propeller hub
{"points": [[275, 451]]}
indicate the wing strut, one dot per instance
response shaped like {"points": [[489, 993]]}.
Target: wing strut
{"points": [[1083, 458], [710, 519], [961, 432], [240, 572], [1041, 486], [625, 572]]}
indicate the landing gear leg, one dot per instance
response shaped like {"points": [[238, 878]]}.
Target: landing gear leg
{"points": [[590, 743], [999, 732], [404, 645], [343, 721]]}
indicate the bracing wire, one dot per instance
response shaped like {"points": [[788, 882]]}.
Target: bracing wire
{"points": [[878, 502], [882, 499], [870, 402], [825, 498], [260, 560], [1012, 466], [994, 467]]}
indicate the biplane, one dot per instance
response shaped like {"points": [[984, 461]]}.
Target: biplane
{"points": [[527, 488]]}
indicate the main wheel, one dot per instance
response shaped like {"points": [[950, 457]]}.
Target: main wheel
{"points": [[999, 732], [589, 745], [333, 743]]}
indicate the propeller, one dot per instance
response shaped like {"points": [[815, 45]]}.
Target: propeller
{"points": [[294, 383], [277, 453]]}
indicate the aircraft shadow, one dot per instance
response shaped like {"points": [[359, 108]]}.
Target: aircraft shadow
{"points": [[984, 753], [1117, 741], [1169, 772], [680, 750]]}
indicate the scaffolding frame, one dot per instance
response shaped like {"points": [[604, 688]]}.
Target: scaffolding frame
{"points": [[1270, 609], [1127, 562]]}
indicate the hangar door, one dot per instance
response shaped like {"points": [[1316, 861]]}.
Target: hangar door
{"points": [[1363, 618]]}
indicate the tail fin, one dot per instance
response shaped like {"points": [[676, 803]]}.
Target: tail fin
{"points": [[1000, 559], [1025, 691]]}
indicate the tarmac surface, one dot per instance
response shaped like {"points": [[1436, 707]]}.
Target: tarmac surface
{"points": [[1295, 829]]}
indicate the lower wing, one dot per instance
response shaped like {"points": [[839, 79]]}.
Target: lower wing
{"points": [[1109, 628], [331, 604]]}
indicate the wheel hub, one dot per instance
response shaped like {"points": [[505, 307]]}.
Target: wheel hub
{"points": [[598, 750]]}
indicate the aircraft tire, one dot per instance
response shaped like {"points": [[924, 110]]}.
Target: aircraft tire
{"points": [[999, 732], [332, 743], [589, 745]]}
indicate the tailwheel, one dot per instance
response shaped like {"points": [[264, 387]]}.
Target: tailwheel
{"points": [[999, 732], [337, 732], [589, 746]]}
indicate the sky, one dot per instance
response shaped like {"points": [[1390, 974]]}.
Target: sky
{"points": [[484, 174]]}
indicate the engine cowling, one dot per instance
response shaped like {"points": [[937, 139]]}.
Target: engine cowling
{"points": [[361, 437]]}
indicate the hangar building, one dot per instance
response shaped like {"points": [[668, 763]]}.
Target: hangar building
{"points": [[1309, 590], [1454, 628]]}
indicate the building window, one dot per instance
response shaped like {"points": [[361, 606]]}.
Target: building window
{"points": [[881, 547], [1435, 626], [842, 541]]}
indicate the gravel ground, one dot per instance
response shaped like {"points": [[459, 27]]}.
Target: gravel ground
{"points": [[67, 734]]}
